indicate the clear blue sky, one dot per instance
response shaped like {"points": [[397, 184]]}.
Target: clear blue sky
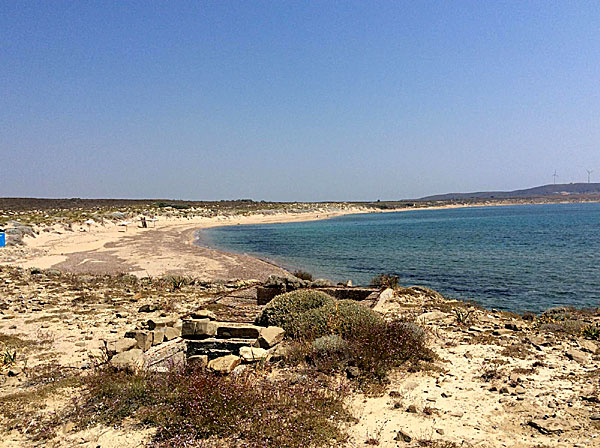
{"points": [[285, 100]]}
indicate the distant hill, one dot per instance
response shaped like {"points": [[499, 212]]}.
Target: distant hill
{"points": [[544, 190]]}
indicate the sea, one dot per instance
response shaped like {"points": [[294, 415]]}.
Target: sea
{"points": [[515, 258]]}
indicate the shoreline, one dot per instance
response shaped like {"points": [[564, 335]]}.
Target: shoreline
{"points": [[165, 247]]}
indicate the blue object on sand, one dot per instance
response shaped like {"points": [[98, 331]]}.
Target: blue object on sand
{"points": [[2, 239]]}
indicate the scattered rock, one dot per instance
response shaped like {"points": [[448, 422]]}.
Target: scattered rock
{"points": [[403, 437], [148, 308], [253, 354], [588, 346], [548, 426], [432, 316], [14, 371], [203, 314], [576, 355], [225, 364], [279, 352], [520, 390], [352, 372], [270, 337]]}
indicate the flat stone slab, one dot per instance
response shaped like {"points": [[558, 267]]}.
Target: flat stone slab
{"points": [[228, 330], [120, 346], [225, 364], [198, 329], [131, 360], [215, 348], [165, 355], [270, 337], [253, 354]]}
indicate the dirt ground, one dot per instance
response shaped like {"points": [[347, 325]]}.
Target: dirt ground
{"points": [[499, 380]]}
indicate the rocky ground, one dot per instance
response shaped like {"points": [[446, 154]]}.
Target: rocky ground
{"points": [[499, 379]]}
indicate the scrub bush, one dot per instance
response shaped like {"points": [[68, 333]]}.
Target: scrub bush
{"points": [[190, 406], [286, 310]]}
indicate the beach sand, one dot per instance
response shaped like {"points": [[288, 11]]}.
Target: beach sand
{"points": [[166, 248]]}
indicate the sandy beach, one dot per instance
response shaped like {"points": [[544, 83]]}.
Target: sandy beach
{"points": [[165, 247]]}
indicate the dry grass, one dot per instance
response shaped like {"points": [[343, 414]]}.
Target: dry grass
{"points": [[189, 406]]}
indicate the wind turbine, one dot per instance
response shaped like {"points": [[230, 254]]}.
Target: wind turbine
{"points": [[555, 176], [589, 172]]}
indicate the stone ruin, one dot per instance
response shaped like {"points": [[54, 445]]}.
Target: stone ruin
{"points": [[201, 339]]}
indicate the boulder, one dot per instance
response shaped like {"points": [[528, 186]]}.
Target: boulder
{"points": [[225, 364], [253, 354], [164, 356], [131, 360], [270, 337], [265, 294], [198, 329]]}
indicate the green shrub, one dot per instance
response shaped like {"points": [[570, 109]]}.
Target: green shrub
{"points": [[309, 314], [286, 310], [329, 353], [303, 275], [385, 281], [352, 317], [591, 332]]}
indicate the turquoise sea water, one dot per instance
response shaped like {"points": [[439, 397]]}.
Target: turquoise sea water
{"points": [[517, 258]]}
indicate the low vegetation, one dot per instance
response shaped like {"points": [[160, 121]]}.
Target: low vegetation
{"points": [[247, 409], [385, 281], [344, 336], [303, 275]]}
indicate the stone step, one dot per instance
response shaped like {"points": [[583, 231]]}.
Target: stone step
{"points": [[214, 347], [229, 330], [205, 328]]}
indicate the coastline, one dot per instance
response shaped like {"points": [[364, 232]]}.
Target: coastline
{"points": [[169, 246]]}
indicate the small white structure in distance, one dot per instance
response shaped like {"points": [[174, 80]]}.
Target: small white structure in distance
{"points": [[89, 223], [124, 224]]}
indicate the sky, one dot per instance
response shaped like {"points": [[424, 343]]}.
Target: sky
{"points": [[296, 101]]}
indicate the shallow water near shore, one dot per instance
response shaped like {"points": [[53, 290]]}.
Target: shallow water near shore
{"points": [[517, 258]]}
